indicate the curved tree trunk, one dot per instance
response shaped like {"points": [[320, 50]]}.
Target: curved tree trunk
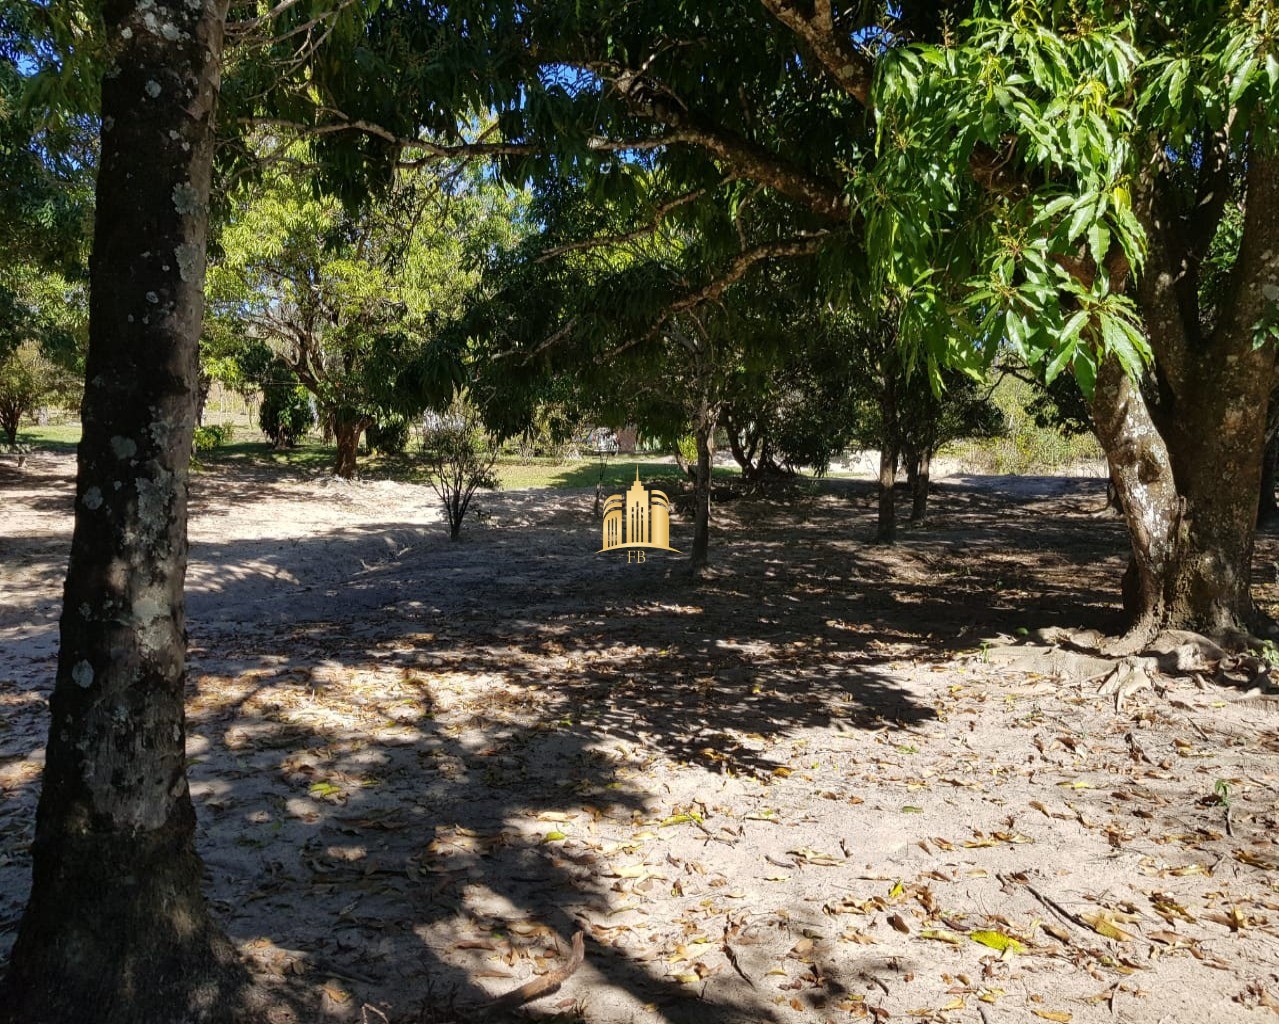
{"points": [[117, 929], [743, 449], [1141, 472], [1189, 471]]}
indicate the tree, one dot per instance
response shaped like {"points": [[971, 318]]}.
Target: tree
{"points": [[1124, 163], [28, 380], [1054, 175], [344, 296], [116, 928]]}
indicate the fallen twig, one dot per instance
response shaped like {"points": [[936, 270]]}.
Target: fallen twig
{"points": [[1050, 903]]}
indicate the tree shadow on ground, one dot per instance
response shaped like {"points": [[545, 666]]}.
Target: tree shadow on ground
{"points": [[388, 730]]}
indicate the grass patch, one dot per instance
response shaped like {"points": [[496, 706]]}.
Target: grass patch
{"points": [[308, 457], [314, 458], [619, 473], [60, 438]]}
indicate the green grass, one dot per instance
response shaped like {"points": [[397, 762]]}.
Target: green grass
{"points": [[314, 457], [61, 438], [619, 473], [309, 456]]}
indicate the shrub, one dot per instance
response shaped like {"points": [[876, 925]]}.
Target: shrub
{"points": [[208, 438], [390, 437], [286, 414], [459, 455]]}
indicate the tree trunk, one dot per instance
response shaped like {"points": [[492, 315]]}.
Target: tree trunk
{"points": [[919, 487], [889, 452], [741, 456], [1267, 508], [202, 397], [1141, 471], [1188, 471], [9, 424], [704, 434], [347, 429], [1189, 497], [886, 527], [117, 929]]}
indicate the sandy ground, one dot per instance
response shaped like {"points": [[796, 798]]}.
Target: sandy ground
{"points": [[797, 790]]}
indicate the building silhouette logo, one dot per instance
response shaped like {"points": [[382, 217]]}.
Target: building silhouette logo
{"points": [[637, 520]]}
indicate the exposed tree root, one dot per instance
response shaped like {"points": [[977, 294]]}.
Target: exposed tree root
{"points": [[543, 986], [1121, 669], [1130, 676]]}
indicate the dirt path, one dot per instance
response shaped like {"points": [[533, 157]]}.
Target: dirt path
{"points": [[795, 791]]}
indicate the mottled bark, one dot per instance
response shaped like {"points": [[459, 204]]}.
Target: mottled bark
{"points": [[1188, 485], [1141, 472], [1189, 471], [117, 929]]}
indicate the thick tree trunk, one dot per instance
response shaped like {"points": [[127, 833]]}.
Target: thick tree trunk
{"points": [[704, 434], [1189, 497], [9, 424], [1141, 472], [1217, 440], [348, 429], [117, 929], [1189, 471]]}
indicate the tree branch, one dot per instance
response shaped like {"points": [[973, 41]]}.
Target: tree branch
{"points": [[629, 236], [651, 100], [804, 245], [836, 53]]}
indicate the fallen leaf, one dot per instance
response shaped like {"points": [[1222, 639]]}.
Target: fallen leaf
{"points": [[997, 940], [1103, 923]]}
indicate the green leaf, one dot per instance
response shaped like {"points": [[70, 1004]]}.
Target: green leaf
{"points": [[1085, 367], [1060, 361], [997, 940]]}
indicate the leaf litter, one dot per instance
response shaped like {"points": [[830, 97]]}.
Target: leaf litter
{"points": [[752, 808]]}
